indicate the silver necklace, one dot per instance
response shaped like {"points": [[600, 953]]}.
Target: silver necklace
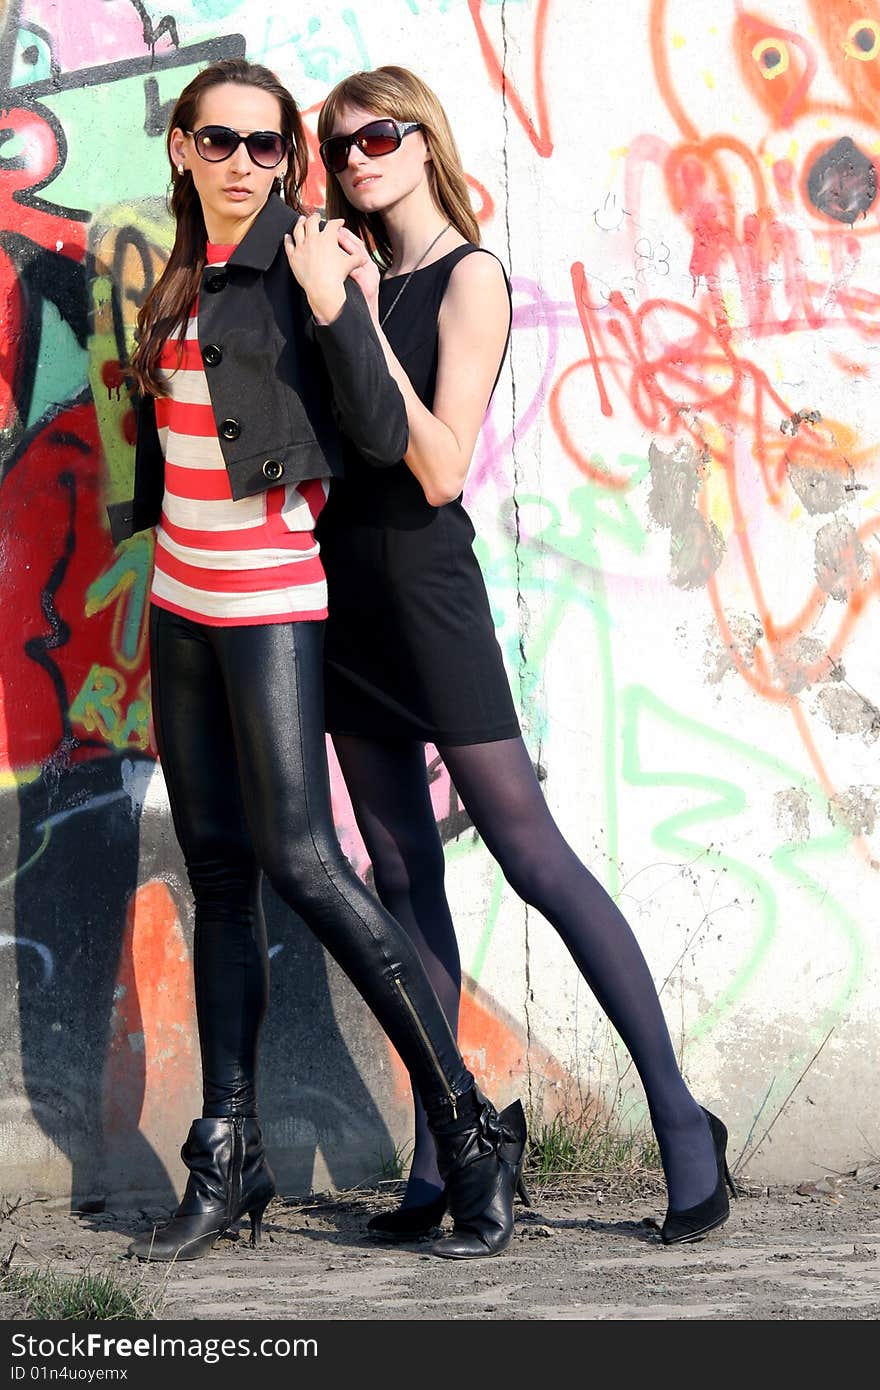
{"points": [[386, 316]]}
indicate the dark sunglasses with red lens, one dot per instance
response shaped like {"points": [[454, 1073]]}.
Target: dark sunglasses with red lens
{"points": [[374, 139], [218, 142]]}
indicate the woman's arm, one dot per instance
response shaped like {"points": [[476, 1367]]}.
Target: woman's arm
{"points": [[474, 324], [369, 404]]}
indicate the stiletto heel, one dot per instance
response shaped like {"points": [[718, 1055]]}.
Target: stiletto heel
{"points": [[256, 1215], [522, 1192], [228, 1176], [692, 1223]]}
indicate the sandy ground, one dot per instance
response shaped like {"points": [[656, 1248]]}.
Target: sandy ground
{"points": [[589, 1251]]}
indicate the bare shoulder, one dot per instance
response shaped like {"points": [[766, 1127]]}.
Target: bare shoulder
{"points": [[477, 293], [481, 270]]}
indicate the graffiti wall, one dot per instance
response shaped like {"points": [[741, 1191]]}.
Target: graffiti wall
{"points": [[676, 498]]}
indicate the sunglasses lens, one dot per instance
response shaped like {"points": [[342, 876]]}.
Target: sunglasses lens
{"points": [[216, 142], [266, 148], [377, 139], [334, 153]]}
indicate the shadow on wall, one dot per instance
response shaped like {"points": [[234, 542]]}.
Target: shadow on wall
{"points": [[109, 1068]]}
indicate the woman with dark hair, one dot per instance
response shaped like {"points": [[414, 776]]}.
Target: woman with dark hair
{"points": [[411, 655], [241, 373]]}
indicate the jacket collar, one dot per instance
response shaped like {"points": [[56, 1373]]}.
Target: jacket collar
{"points": [[259, 247]]}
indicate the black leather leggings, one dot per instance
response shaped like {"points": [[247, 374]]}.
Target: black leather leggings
{"points": [[239, 719]]}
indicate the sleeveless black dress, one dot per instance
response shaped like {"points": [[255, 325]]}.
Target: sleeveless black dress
{"points": [[410, 647]]}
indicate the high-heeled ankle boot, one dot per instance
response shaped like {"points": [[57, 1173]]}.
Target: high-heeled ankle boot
{"points": [[481, 1165], [408, 1223], [692, 1223], [228, 1176]]}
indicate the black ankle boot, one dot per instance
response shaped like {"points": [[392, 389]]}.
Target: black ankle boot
{"points": [[228, 1176], [408, 1223], [692, 1223], [481, 1164]]}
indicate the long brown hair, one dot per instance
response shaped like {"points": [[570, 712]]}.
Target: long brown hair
{"points": [[393, 91], [167, 306]]}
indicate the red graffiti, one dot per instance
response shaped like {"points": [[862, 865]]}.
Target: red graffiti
{"points": [[537, 129], [57, 234]]}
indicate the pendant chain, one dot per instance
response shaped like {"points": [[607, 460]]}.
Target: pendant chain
{"points": [[385, 317]]}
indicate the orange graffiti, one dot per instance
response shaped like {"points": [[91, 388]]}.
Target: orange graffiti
{"points": [[691, 370], [151, 1074], [496, 1049]]}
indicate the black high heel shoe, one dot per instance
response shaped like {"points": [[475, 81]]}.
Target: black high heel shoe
{"points": [[228, 1177], [692, 1223], [481, 1166], [408, 1223]]}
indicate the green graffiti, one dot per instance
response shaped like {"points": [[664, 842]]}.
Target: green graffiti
{"points": [[570, 549], [723, 800], [31, 60], [126, 585], [350, 18], [61, 365], [560, 559], [216, 9], [322, 56], [482, 949], [123, 106], [98, 708]]}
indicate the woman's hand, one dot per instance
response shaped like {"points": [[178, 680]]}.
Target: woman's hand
{"points": [[319, 264], [322, 258], [363, 271]]}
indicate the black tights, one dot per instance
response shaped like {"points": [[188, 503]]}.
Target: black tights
{"points": [[239, 718], [387, 781]]}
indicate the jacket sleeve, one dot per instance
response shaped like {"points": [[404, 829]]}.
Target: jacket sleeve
{"points": [[144, 509], [368, 403]]}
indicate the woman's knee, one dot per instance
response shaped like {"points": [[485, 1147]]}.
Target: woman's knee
{"points": [[408, 866], [223, 878], [531, 874], [307, 872]]}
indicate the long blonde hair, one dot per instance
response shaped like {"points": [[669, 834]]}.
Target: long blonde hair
{"points": [[397, 92]]}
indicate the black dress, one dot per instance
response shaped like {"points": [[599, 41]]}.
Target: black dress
{"points": [[410, 646]]}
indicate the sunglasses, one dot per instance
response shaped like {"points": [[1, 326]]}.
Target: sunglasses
{"points": [[217, 142], [375, 139]]}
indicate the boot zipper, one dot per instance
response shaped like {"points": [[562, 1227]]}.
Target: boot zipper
{"points": [[452, 1097], [235, 1175]]}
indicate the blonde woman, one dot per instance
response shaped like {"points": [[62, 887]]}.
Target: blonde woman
{"points": [[411, 655]]}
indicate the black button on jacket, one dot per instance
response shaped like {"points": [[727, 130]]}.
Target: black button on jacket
{"points": [[287, 384]]}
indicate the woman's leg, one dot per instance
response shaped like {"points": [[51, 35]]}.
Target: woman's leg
{"points": [[388, 784], [498, 786], [230, 959], [228, 1171], [272, 676]]}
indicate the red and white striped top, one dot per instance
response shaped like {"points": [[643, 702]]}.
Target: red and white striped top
{"points": [[220, 561]]}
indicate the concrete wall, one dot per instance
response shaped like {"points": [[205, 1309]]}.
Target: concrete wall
{"points": [[676, 496]]}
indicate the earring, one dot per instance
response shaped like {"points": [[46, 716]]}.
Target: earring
{"points": [[180, 169]]}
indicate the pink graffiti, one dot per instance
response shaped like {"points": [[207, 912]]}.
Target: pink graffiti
{"points": [[93, 31]]}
